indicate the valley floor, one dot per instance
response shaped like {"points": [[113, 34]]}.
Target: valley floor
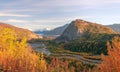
{"points": [[40, 47]]}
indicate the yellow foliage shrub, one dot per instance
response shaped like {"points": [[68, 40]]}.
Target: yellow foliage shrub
{"points": [[17, 56]]}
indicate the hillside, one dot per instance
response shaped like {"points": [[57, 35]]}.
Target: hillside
{"points": [[20, 32], [115, 27], [84, 29], [84, 36]]}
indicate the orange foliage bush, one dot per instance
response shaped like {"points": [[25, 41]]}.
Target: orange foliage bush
{"points": [[58, 65], [111, 63], [17, 56]]}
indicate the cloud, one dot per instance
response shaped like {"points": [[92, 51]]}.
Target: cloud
{"points": [[13, 15], [112, 1], [48, 6], [69, 3], [14, 21], [48, 20], [75, 3], [16, 10]]}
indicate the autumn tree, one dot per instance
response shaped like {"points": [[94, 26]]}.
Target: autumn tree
{"points": [[17, 56], [57, 65], [111, 62]]}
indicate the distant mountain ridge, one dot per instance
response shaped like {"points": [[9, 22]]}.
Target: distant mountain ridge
{"points": [[115, 27], [56, 31], [81, 29], [20, 32]]}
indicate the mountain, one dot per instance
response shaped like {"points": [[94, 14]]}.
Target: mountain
{"points": [[54, 32], [20, 32], [59, 30], [84, 29], [115, 27]]}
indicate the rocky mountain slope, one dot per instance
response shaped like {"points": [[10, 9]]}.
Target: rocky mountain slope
{"points": [[84, 29], [20, 32]]}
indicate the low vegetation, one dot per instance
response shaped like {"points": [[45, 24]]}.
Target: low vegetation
{"points": [[87, 46], [17, 56], [94, 44], [111, 63]]}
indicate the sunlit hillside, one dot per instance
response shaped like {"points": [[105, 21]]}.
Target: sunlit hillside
{"points": [[19, 32]]}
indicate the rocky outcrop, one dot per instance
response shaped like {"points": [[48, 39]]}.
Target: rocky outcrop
{"points": [[20, 32], [80, 28]]}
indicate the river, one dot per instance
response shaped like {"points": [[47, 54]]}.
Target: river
{"points": [[41, 48]]}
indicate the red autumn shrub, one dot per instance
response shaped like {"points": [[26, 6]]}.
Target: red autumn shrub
{"points": [[111, 62]]}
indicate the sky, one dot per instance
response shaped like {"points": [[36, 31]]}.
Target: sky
{"points": [[42, 14]]}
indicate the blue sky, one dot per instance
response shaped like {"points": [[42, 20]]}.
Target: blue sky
{"points": [[41, 14]]}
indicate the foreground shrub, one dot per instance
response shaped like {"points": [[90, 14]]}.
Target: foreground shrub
{"points": [[57, 65], [111, 63], [17, 56]]}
